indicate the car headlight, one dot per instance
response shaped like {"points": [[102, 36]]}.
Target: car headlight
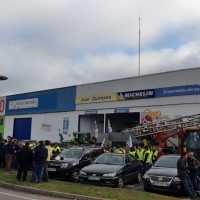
{"points": [[176, 179], [146, 176], [82, 173], [64, 165], [110, 174]]}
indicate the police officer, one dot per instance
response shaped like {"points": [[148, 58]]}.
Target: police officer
{"points": [[73, 140], [56, 148], [154, 154]]}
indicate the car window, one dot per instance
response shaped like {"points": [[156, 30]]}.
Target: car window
{"points": [[169, 162], [127, 160], [132, 158], [110, 159], [95, 153], [71, 153], [116, 160], [87, 154]]}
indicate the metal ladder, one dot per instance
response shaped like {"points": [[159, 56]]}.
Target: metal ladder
{"points": [[149, 128]]}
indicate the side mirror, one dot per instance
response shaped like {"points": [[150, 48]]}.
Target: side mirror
{"points": [[128, 164], [85, 158]]}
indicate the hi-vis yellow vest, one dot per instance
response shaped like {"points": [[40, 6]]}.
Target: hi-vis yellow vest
{"points": [[140, 154], [132, 153], [149, 156]]}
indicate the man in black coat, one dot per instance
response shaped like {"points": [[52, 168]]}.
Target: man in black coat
{"points": [[10, 151], [193, 171], [24, 160], [39, 160]]}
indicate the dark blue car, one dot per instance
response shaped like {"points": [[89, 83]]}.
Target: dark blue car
{"points": [[163, 175]]}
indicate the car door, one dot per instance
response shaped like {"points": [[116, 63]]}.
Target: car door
{"points": [[86, 158], [135, 166], [127, 169]]}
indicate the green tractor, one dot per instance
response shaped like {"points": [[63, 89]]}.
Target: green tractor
{"points": [[81, 138]]}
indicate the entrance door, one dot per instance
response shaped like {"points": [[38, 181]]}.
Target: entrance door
{"points": [[22, 128]]}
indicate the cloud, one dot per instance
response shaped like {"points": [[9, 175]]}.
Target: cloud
{"points": [[50, 44]]}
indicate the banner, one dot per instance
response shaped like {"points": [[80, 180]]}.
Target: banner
{"points": [[25, 103], [138, 94], [109, 127], [65, 125], [96, 129], [97, 98], [46, 127]]}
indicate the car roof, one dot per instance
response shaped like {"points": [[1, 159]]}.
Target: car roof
{"points": [[171, 155], [84, 147]]}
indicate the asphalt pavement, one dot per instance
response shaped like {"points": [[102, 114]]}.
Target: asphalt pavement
{"points": [[6, 194]]}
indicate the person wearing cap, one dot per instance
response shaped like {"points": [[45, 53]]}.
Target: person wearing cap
{"points": [[48, 147]]}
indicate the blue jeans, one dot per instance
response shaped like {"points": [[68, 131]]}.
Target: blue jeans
{"points": [[37, 171], [188, 185], [146, 167]]}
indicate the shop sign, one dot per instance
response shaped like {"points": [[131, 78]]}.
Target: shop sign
{"points": [[2, 105], [121, 110], [150, 115], [46, 127], [65, 125], [136, 94], [25, 103], [177, 91], [91, 112], [97, 98]]}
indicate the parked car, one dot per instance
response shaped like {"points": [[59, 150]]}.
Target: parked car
{"points": [[70, 161], [163, 175], [112, 169]]}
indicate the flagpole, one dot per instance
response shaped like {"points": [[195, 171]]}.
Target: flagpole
{"points": [[139, 48]]}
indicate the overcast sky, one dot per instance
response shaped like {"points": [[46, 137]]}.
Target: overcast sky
{"points": [[56, 43]]}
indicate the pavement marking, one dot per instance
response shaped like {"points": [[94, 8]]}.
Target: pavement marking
{"points": [[17, 196]]}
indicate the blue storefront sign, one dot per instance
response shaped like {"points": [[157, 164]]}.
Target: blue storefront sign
{"points": [[121, 110], [138, 94], [91, 112], [177, 91]]}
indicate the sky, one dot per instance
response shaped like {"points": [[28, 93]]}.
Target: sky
{"points": [[58, 43]]}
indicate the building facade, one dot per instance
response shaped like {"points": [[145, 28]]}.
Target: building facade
{"points": [[119, 104]]}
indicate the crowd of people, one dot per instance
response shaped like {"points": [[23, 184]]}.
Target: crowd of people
{"points": [[22, 156], [147, 156]]}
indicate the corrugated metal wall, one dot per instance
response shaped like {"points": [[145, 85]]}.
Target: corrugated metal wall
{"points": [[56, 100]]}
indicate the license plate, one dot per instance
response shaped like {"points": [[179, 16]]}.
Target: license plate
{"points": [[94, 178], [51, 169], [160, 184]]}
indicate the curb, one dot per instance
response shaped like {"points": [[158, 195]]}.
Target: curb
{"points": [[48, 193]]}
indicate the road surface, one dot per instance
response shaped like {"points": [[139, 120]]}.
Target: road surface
{"points": [[6, 194]]}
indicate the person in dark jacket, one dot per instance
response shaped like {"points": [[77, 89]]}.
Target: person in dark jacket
{"points": [[3, 153], [10, 152], [193, 171], [24, 159], [39, 160], [182, 168]]}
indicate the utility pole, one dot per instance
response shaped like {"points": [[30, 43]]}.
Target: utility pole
{"points": [[139, 47]]}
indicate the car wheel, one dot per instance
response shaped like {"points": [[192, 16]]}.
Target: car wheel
{"points": [[139, 177], [120, 183], [50, 176], [147, 190], [75, 175]]}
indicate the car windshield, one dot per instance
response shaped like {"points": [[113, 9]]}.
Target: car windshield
{"points": [[110, 159], [71, 153], [192, 139], [168, 162]]}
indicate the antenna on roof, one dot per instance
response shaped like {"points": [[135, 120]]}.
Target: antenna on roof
{"points": [[139, 47]]}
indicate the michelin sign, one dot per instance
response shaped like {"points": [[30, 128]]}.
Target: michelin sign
{"points": [[136, 94]]}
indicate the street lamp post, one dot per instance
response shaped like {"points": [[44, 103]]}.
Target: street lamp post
{"points": [[3, 78]]}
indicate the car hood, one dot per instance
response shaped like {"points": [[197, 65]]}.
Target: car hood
{"points": [[66, 160], [101, 168], [161, 171]]}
